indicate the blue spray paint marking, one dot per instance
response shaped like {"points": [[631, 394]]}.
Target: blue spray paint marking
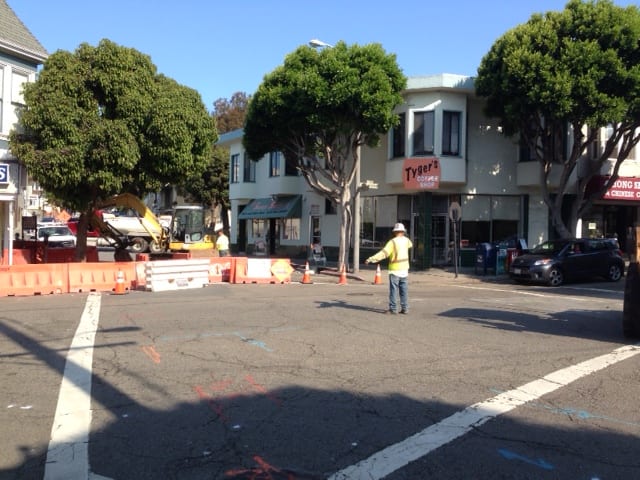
{"points": [[572, 412], [509, 455], [253, 341]]}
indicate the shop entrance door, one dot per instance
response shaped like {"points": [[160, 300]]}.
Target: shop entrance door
{"points": [[439, 238]]}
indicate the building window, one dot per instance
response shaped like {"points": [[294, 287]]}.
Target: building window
{"points": [[451, 133], [274, 164], [423, 128], [290, 229], [398, 137], [234, 174], [259, 227], [329, 207], [18, 80], [290, 168], [249, 174]]}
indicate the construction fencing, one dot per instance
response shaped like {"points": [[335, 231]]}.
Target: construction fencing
{"points": [[142, 274]]}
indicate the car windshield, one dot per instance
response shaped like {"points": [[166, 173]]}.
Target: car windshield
{"points": [[552, 247], [48, 231]]}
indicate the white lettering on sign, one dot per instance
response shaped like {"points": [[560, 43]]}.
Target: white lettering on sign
{"points": [[4, 173], [624, 189]]}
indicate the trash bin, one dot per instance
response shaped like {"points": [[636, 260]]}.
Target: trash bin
{"points": [[485, 258]]}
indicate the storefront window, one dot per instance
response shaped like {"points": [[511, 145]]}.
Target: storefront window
{"points": [[487, 218], [290, 229]]}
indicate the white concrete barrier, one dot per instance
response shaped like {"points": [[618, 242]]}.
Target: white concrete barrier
{"points": [[163, 275]]}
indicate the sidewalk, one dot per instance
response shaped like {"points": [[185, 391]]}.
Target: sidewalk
{"points": [[431, 275]]}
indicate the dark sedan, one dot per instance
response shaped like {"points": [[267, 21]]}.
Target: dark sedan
{"points": [[557, 261]]}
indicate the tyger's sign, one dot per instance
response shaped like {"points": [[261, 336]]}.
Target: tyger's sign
{"points": [[421, 173]]}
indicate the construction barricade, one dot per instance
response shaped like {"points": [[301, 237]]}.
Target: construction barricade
{"points": [[34, 279], [99, 276], [221, 269], [262, 270], [163, 275]]}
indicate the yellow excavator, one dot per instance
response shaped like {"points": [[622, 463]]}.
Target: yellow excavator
{"points": [[138, 229]]}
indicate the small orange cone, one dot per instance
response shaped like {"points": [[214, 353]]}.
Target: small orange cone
{"points": [[343, 276], [378, 278], [306, 278], [119, 288]]}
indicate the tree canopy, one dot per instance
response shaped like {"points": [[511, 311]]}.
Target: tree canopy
{"points": [[555, 81], [230, 114], [318, 108], [101, 121], [212, 186]]}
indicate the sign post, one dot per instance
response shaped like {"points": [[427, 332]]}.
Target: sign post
{"points": [[454, 214]]}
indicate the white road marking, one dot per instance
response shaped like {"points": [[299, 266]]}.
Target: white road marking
{"points": [[394, 457], [68, 453]]}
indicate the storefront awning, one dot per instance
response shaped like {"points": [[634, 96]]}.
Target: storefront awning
{"points": [[273, 207], [623, 189]]}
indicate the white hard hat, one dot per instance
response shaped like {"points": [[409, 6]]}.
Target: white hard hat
{"points": [[399, 227]]}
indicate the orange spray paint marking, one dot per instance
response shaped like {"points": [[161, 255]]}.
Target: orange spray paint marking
{"points": [[264, 471], [259, 388], [150, 351], [217, 408]]}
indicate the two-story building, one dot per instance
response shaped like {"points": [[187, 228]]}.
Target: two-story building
{"points": [[20, 56], [466, 161]]}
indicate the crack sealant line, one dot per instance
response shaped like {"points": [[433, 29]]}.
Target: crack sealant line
{"points": [[396, 456]]}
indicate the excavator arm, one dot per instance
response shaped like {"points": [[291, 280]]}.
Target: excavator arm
{"points": [[148, 221]]}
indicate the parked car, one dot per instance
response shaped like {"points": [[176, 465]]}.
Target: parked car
{"points": [[557, 261], [56, 236]]}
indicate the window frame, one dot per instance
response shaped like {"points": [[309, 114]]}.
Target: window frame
{"points": [[234, 168], [248, 170], [398, 137], [423, 133], [449, 117]]}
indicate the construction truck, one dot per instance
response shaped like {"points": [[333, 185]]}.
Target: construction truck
{"points": [[138, 229]]}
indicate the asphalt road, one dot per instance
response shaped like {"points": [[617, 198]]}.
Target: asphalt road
{"points": [[482, 379]]}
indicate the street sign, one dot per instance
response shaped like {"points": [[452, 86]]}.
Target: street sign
{"points": [[4, 173]]}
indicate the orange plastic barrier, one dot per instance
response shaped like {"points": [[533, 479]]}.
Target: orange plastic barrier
{"points": [[100, 276], [44, 279], [221, 269], [262, 270]]}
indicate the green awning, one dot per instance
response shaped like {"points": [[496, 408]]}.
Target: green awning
{"points": [[273, 207]]}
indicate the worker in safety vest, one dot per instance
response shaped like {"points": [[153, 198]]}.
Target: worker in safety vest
{"points": [[397, 251]]}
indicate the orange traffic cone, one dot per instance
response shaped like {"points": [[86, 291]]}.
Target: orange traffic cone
{"points": [[119, 288], [343, 276], [306, 278], [377, 280]]}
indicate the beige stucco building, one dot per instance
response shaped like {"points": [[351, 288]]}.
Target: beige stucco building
{"points": [[442, 126]]}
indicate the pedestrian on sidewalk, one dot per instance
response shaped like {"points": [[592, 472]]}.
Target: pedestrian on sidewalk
{"points": [[397, 251]]}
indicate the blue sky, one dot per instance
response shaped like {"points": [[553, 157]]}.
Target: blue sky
{"points": [[222, 47]]}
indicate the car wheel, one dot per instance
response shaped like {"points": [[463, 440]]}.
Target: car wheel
{"points": [[615, 273], [139, 245], [555, 277], [154, 247]]}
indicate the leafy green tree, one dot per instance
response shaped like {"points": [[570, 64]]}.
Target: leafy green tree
{"points": [[101, 121], [557, 80], [318, 109]]}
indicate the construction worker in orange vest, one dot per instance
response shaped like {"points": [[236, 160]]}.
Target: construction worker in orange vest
{"points": [[397, 251]]}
